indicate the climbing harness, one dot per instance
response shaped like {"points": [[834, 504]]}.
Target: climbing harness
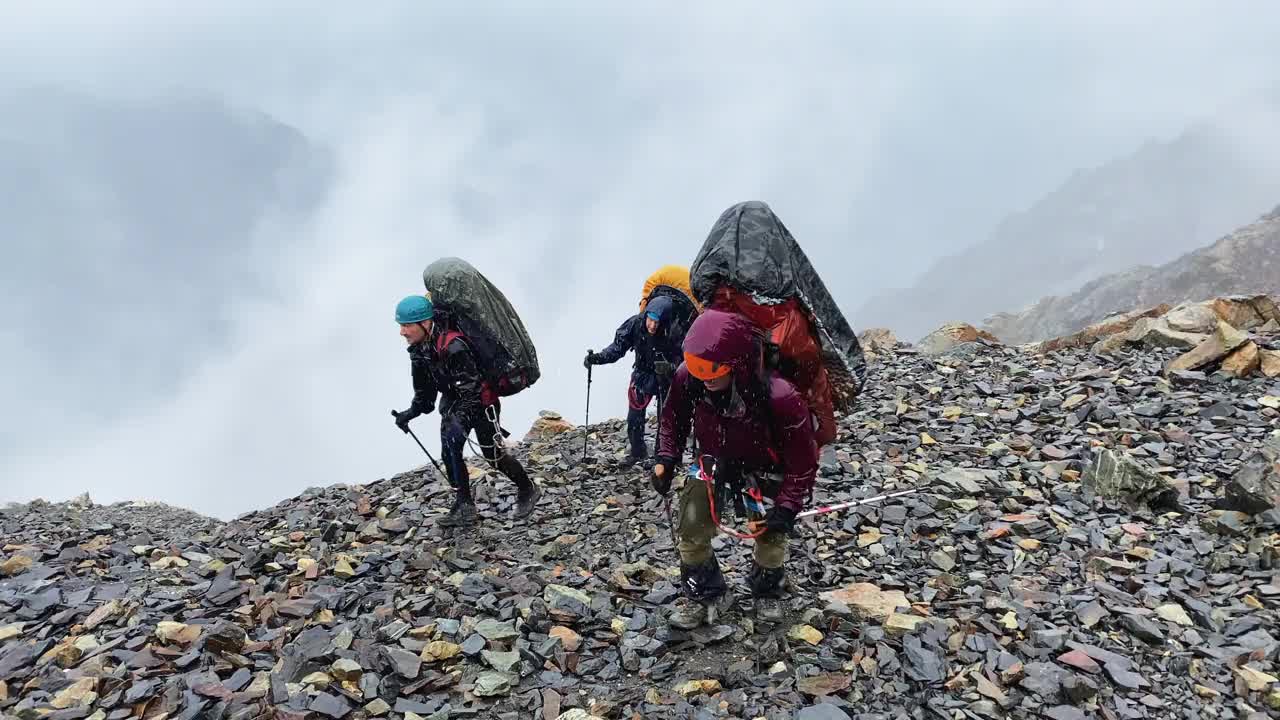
{"points": [[744, 496], [498, 439]]}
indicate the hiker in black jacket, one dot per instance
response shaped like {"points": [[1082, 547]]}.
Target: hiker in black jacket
{"points": [[444, 366], [657, 356]]}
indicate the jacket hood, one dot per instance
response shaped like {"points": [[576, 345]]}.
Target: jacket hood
{"points": [[726, 338], [660, 306]]}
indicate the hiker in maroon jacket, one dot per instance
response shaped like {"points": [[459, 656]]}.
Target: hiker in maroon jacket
{"points": [[755, 425]]}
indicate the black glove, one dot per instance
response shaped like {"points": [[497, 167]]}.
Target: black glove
{"points": [[591, 359], [780, 519], [664, 471], [662, 368], [404, 416]]}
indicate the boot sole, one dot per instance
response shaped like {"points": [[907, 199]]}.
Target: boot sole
{"points": [[456, 524], [444, 521], [517, 515]]}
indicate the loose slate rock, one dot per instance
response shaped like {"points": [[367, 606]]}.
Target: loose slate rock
{"points": [[1078, 689], [406, 664], [1064, 712], [1143, 629], [1174, 613], [922, 663], [330, 705], [1091, 614], [825, 684], [868, 601], [491, 684], [567, 600], [226, 637], [1080, 661], [1042, 679], [1115, 475], [1255, 487], [998, 438], [503, 662], [821, 711], [1124, 678], [491, 629]]}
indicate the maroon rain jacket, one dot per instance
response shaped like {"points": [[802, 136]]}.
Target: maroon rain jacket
{"points": [[776, 432]]}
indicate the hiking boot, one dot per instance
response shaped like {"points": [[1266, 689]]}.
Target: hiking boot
{"points": [[718, 607], [631, 460], [766, 582], [526, 500], [688, 614], [769, 610], [766, 589], [462, 514]]}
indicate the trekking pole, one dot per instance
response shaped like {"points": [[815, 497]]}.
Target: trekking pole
{"points": [[586, 423], [812, 513], [854, 503], [666, 500], [657, 436], [671, 524], [428, 452]]}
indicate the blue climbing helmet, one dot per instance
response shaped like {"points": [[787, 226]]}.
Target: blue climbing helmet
{"points": [[414, 309]]}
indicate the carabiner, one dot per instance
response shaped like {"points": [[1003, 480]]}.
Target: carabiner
{"points": [[711, 502], [491, 414]]}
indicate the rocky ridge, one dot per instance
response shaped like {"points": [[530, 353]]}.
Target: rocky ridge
{"points": [[1235, 335], [1092, 535], [1244, 261], [1148, 207]]}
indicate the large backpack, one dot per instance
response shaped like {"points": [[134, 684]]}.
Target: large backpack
{"points": [[478, 311], [673, 282], [750, 264]]}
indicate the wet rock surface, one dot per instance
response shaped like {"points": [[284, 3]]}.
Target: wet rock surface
{"points": [[1002, 588]]}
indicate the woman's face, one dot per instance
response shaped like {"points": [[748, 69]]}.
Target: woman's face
{"points": [[719, 384]]}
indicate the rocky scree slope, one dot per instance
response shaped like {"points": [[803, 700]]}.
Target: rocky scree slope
{"points": [[1091, 538], [1243, 262]]}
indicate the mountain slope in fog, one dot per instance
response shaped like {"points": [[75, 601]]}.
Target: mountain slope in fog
{"points": [[1246, 261], [1147, 208]]}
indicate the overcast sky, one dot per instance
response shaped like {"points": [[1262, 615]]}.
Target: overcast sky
{"points": [[567, 149]]}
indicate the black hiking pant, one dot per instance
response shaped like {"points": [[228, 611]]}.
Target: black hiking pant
{"points": [[454, 429]]}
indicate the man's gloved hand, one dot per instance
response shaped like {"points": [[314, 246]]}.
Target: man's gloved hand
{"points": [[591, 359], [780, 519], [404, 416], [663, 473], [662, 368]]}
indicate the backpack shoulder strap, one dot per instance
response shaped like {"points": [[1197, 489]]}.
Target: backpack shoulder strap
{"points": [[446, 337]]}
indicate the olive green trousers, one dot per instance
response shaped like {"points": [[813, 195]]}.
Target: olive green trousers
{"points": [[697, 529]]}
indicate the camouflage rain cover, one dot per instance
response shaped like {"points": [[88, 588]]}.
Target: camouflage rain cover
{"points": [[479, 309], [750, 249]]}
